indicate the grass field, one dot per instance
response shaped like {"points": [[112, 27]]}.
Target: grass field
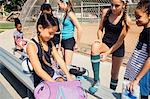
{"points": [[9, 25], [5, 26]]}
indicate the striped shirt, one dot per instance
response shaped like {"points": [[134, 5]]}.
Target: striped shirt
{"points": [[139, 56]]}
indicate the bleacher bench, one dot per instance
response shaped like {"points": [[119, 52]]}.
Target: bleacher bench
{"points": [[13, 64]]}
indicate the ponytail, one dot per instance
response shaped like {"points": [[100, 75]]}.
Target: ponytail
{"points": [[69, 4], [46, 20], [125, 16]]}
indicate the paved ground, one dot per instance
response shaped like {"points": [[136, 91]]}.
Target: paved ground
{"points": [[88, 36]]}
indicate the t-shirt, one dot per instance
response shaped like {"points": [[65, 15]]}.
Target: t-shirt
{"points": [[18, 34], [145, 39], [139, 56]]}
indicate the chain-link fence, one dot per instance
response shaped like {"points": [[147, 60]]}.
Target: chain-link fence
{"points": [[90, 10], [86, 10]]}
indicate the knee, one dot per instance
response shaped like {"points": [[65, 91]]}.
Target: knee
{"points": [[95, 48]]}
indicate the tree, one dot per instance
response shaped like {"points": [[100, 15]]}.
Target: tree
{"points": [[14, 5]]}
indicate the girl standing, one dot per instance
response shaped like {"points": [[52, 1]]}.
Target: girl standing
{"points": [[138, 67], [69, 23], [116, 24]]}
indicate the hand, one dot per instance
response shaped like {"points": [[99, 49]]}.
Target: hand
{"points": [[59, 46], [76, 47], [60, 49], [104, 56], [132, 85], [69, 78], [51, 80]]}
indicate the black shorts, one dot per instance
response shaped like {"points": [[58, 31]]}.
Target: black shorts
{"points": [[119, 52], [68, 43], [56, 39]]}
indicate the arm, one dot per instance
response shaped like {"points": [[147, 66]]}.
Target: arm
{"points": [[60, 62], [144, 70], [32, 53], [15, 37], [77, 25], [101, 25]]}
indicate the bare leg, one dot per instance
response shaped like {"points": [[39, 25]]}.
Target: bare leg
{"points": [[116, 63], [97, 48], [68, 56]]}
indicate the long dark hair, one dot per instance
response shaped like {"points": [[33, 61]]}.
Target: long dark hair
{"points": [[69, 4], [124, 14], [46, 20]]}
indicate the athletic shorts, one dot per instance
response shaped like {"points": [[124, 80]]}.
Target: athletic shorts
{"points": [[145, 84], [119, 52], [68, 43]]}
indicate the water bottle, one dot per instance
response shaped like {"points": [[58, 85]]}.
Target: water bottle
{"points": [[126, 94]]}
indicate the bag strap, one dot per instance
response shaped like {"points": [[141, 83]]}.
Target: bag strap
{"points": [[39, 48], [28, 62]]}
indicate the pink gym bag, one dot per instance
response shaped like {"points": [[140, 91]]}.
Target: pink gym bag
{"points": [[60, 90]]}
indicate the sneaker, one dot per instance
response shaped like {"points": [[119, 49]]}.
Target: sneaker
{"points": [[94, 87], [77, 71], [80, 78]]}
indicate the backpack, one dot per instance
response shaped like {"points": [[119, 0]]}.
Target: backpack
{"points": [[59, 90], [26, 66]]}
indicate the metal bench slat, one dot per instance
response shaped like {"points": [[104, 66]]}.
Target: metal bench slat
{"points": [[102, 93], [14, 65]]}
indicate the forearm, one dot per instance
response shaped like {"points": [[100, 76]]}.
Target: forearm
{"points": [[99, 35], [63, 65], [45, 76], [60, 62], [78, 35], [144, 70], [115, 47]]}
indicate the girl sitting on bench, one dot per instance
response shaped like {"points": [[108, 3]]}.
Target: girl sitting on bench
{"points": [[18, 36], [40, 49]]}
